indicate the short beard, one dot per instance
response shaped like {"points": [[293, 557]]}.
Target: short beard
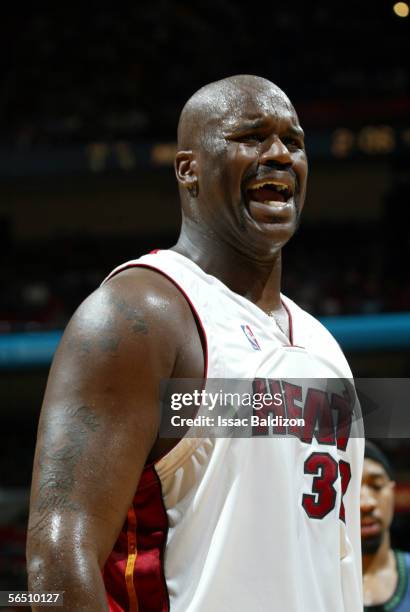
{"points": [[370, 546]]}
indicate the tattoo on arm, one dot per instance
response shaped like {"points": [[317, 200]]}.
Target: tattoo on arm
{"points": [[109, 343], [58, 463], [139, 326]]}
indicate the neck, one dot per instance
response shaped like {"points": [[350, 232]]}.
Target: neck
{"points": [[373, 563], [257, 281]]}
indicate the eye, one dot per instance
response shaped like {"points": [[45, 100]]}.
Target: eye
{"points": [[249, 138], [253, 138], [378, 485], [293, 142]]}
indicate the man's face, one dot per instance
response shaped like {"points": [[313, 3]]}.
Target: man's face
{"points": [[252, 170], [376, 505]]}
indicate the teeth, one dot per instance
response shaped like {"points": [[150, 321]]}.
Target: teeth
{"points": [[279, 186]]}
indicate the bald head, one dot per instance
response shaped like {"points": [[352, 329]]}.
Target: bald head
{"points": [[221, 100], [232, 135]]}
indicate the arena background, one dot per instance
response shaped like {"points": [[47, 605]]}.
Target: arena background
{"points": [[89, 103]]}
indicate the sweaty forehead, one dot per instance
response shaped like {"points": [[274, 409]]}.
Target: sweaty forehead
{"points": [[228, 103], [256, 102]]}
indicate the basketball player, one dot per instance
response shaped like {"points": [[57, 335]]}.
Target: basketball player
{"points": [[386, 572], [122, 519]]}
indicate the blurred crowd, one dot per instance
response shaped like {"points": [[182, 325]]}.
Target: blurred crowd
{"points": [[92, 72], [328, 270]]}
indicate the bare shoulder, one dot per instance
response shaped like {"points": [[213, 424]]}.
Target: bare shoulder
{"points": [[138, 313], [150, 291], [132, 295]]}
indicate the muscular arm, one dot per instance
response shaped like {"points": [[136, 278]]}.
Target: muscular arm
{"points": [[98, 424]]}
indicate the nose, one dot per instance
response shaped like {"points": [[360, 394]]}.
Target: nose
{"points": [[367, 500], [276, 153]]}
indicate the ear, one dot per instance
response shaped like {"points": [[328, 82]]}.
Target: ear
{"points": [[186, 170]]}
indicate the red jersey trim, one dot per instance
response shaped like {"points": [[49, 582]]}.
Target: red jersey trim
{"points": [[166, 602], [137, 581], [132, 557]]}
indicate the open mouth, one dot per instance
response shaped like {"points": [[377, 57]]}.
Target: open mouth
{"points": [[269, 192]]}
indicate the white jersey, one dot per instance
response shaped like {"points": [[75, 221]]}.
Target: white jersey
{"points": [[254, 524]]}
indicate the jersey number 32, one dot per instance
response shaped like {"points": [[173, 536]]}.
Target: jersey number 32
{"points": [[325, 470]]}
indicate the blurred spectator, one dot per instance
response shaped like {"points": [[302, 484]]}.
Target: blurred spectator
{"points": [[386, 571]]}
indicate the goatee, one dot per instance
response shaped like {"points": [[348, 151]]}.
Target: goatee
{"points": [[371, 545]]}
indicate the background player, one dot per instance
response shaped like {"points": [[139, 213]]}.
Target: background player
{"points": [[385, 571]]}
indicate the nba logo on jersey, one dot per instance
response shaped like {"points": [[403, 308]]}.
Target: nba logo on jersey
{"points": [[251, 337]]}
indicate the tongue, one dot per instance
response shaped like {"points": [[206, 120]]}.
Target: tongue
{"points": [[266, 194]]}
